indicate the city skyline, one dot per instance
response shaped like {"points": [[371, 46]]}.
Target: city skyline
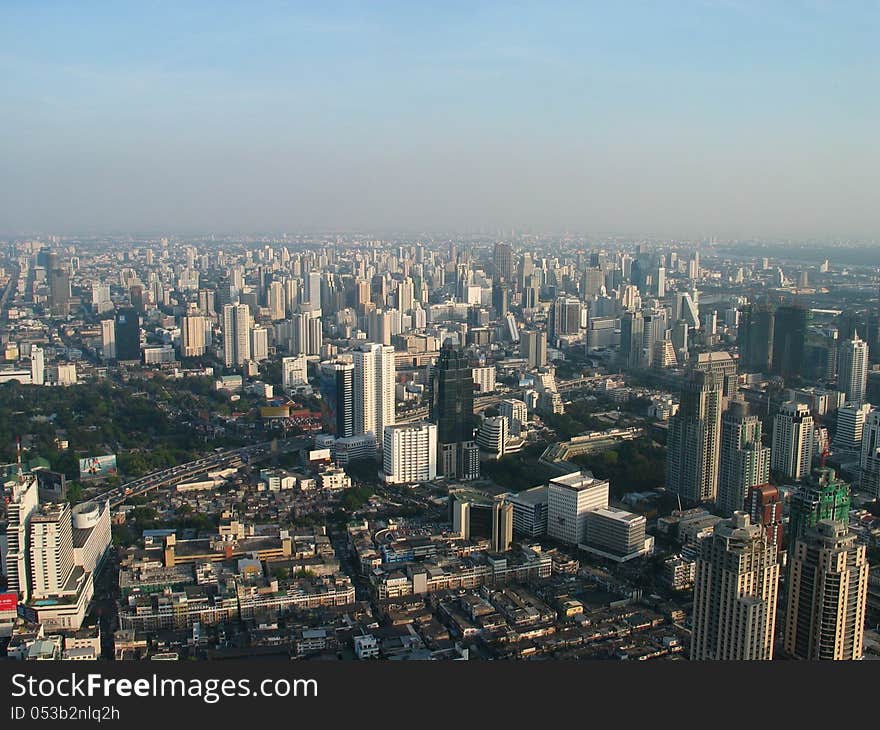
{"points": [[721, 119]]}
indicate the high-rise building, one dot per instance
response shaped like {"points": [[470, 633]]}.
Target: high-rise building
{"points": [[127, 334], [852, 369], [461, 518], [792, 451], [51, 549], [38, 365], [533, 347], [236, 334], [374, 380], [192, 335], [735, 593], [294, 372], [764, 505], [755, 338], [632, 335], [516, 412], [694, 439], [827, 594], [108, 338], [21, 494], [337, 396], [452, 408], [789, 340], [870, 457], [564, 319], [59, 292], [259, 344], [850, 426], [502, 525], [743, 461], [822, 497], [503, 259], [492, 435], [409, 453], [570, 498]]}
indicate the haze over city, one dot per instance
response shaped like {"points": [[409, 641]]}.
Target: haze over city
{"points": [[728, 119]]}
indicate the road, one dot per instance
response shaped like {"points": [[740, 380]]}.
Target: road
{"points": [[182, 472]]}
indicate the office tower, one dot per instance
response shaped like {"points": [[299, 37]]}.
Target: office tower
{"points": [[735, 593], [789, 339], [500, 300], [722, 364], [632, 335], [694, 439], [277, 301], [306, 333], [21, 496], [380, 326], [378, 291], [827, 594], [374, 379], [531, 292], [108, 338], [127, 334], [492, 435], [743, 461], [51, 549], [852, 370], [850, 426], [533, 347], [59, 292], [311, 293], [101, 301], [405, 296], [461, 518], [653, 331], [564, 319], [259, 344], [409, 453], [206, 302], [452, 408], [755, 338], [530, 511], [569, 499], [192, 335], [792, 451], [38, 365], [823, 497], [592, 282], [516, 412], [503, 259], [136, 298], [337, 397], [502, 525], [764, 505], [869, 462], [236, 334]]}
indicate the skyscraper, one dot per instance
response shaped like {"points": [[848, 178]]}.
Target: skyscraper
{"points": [[51, 549], [565, 318], [632, 330], [823, 497], [503, 259], [59, 292], [764, 505], [735, 593], [744, 461], [792, 452], [236, 334], [694, 439], [870, 456], [533, 347], [192, 335], [755, 338], [852, 370], [374, 378], [502, 525], [108, 339], [452, 408], [409, 453], [789, 340], [21, 496], [127, 334], [337, 396], [827, 594]]}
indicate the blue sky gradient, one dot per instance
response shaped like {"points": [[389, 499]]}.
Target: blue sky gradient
{"points": [[727, 118]]}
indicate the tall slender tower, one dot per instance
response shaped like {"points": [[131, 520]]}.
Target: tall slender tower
{"points": [[870, 458], [735, 592], [744, 461], [236, 334], [452, 409], [852, 369], [792, 452], [695, 438], [373, 386], [827, 594]]}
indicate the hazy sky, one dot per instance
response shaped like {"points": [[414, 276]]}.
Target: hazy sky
{"points": [[679, 118]]}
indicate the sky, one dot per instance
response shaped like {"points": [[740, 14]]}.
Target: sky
{"points": [[684, 118]]}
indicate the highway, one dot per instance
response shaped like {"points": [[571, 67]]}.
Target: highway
{"points": [[172, 476]]}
